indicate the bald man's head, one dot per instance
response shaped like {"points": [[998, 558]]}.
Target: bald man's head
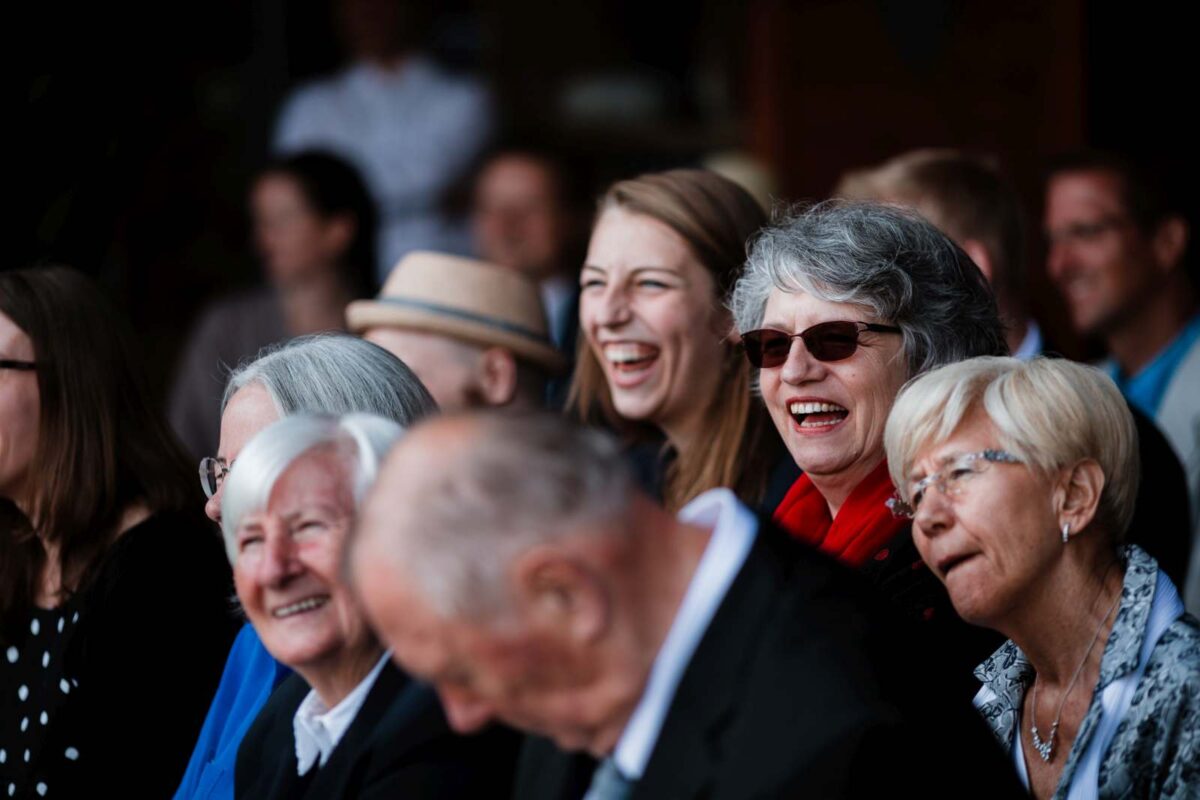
{"points": [[463, 494]]}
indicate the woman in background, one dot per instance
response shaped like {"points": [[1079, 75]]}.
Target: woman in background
{"points": [[114, 612], [314, 229]]}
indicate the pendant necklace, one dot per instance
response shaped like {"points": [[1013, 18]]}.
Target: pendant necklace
{"points": [[1045, 748]]}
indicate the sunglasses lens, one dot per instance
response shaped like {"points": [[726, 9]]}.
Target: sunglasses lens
{"points": [[831, 341], [766, 348]]}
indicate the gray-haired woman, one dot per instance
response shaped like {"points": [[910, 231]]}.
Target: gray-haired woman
{"points": [[1021, 480], [325, 374], [838, 306]]}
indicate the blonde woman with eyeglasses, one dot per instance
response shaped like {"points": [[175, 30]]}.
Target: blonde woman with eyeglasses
{"points": [[1020, 478]]}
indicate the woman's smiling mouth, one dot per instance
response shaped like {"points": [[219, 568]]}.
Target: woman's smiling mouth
{"points": [[816, 416]]}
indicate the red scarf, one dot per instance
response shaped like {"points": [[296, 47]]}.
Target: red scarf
{"points": [[864, 524]]}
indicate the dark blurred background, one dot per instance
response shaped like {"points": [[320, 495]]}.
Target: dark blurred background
{"points": [[142, 123]]}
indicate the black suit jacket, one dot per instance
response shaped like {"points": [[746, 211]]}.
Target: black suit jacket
{"points": [[399, 745], [801, 687]]}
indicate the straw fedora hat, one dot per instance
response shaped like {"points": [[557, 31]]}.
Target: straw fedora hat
{"points": [[465, 299]]}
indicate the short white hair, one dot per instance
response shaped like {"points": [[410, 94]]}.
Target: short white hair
{"points": [[365, 437], [1049, 412]]}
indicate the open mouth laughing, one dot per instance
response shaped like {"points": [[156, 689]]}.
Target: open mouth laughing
{"points": [[816, 415]]}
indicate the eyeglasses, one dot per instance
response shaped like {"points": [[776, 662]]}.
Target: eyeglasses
{"points": [[950, 481], [1085, 232], [212, 473], [12, 363], [828, 341]]}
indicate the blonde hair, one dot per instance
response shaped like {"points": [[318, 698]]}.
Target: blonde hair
{"points": [[1050, 413], [715, 218]]}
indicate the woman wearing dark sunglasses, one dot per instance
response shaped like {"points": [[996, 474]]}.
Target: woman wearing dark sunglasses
{"points": [[838, 306]]}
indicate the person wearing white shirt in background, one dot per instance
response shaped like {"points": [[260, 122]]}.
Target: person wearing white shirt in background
{"points": [[411, 127]]}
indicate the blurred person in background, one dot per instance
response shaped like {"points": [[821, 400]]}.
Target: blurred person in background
{"points": [[473, 332], [658, 362], [410, 126], [324, 374], [314, 229], [530, 212], [510, 561], [1020, 478], [348, 723], [114, 613], [838, 306], [1118, 246], [969, 200]]}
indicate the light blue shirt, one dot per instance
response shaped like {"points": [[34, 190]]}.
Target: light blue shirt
{"points": [[1146, 389], [734, 530]]}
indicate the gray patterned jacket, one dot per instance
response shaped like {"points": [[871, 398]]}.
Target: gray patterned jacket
{"points": [[1155, 751]]}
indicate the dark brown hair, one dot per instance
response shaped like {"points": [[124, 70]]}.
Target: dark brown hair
{"points": [[101, 445], [715, 218]]}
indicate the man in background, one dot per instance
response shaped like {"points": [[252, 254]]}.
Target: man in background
{"points": [[474, 333], [1117, 250]]}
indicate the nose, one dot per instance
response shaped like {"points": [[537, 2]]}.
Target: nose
{"points": [[800, 366], [212, 509], [1058, 259], [612, 307], [935, 514], [465, 712], [279, 563]]}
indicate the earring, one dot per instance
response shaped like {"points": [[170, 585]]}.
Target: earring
{"points": [[1066, 531]]}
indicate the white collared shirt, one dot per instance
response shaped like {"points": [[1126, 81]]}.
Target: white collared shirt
{"points": [[734, 529], [318, 729]]}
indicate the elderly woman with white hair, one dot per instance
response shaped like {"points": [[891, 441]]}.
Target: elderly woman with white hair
{"points": [[349, 723], [1020, 479], [838, 306], [322, 374]]}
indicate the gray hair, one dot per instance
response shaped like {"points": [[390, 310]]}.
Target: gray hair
{"points": [[522, 479], [1049, 412], [364, 438], [888, 260], [334, 373]]}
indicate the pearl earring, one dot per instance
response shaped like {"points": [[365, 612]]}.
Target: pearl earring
{"points": [[1066, 531]]}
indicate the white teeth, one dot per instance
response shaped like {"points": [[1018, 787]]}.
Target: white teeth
{"points": [[303, 605], [813, 408], [624, 352]]}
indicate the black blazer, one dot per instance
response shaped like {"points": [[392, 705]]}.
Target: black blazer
{"points": [[399, 745], [801, 687]]}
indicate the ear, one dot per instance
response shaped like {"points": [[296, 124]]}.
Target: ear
{"points": [[497, 376], [559, 592], [979, 254], [1169, 242], [1079, 495]]}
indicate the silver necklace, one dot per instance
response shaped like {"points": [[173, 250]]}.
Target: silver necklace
{"points": [[1045, 748]]}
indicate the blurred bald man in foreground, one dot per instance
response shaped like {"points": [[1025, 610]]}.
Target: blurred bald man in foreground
{"points": [[510, 561]]}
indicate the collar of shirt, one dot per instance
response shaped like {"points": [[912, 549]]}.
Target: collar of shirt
{"points": [[318, 729], [1006, 675], [734, 529], [1031, 345]]}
